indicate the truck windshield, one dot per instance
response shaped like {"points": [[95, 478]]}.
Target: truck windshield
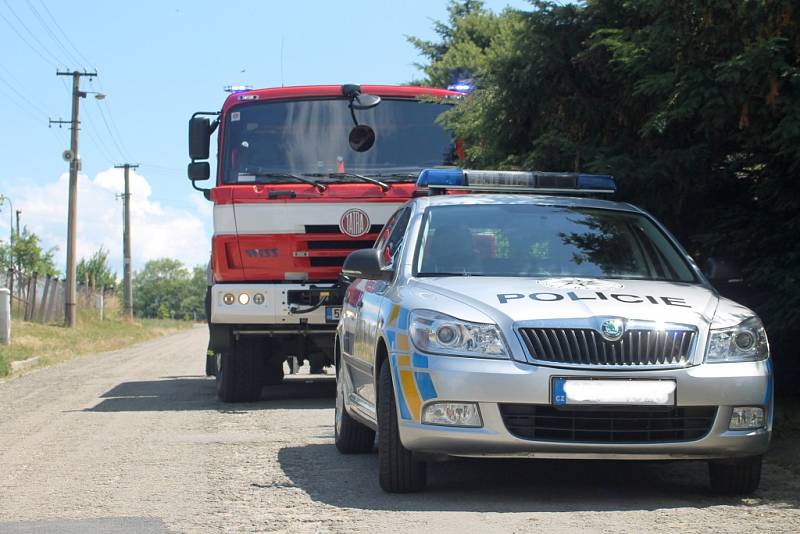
{"points": [[265, 141], [532, 240]]}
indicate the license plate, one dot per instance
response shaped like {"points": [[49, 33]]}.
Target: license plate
{"points": [[581, 391], [333, 313]]}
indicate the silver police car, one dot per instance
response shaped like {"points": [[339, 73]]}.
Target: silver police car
{"points": [[542, 326]]}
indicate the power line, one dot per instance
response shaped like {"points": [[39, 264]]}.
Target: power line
{"points": [[64, 34], [24, 40], [110, 133], [50, 32], [33, 36]]}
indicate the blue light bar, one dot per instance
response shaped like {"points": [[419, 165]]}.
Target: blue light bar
{"points": [[237, 88], [462, 86], [516, 181]]}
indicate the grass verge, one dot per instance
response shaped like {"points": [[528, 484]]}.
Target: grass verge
{"points": [[53, 343]]}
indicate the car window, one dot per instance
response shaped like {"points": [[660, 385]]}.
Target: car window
{"points": [[535, 240], [390, 242]]}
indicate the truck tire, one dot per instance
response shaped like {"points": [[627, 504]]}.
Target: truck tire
{"points": [[399, 471], [239, 372], [316, 363], [273, 372], [211, 364], [351, 437], [735, 477]]}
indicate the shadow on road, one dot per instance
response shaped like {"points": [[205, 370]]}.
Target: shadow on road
{"points": [[180, 393], [515, 485]]}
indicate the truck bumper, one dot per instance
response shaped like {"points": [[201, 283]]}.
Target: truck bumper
{"points": [[271, 304]]}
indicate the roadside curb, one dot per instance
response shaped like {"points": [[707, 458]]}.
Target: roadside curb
{"points": [[22, 365]]}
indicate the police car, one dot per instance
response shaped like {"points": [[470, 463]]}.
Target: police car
{"points": [[538, 323]]}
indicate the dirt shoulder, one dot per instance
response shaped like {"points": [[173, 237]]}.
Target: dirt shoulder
{"points": [[55, 343]]}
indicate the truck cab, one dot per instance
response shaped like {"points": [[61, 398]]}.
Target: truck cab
{"points": [[304, 176]]}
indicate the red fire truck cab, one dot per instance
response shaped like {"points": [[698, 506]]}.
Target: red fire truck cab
{"points": [[305, 175]]}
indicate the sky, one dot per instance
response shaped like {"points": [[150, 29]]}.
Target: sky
{"points": [[157, 63]]}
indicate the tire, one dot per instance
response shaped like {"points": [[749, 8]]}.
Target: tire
{"points": [[239, 372], [735, 477], [273, 372], [211, 364], [316, 363], [399, 471], [351, 437]]}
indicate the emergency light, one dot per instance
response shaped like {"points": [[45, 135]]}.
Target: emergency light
{"points": [[237, 88], [516, 181]]}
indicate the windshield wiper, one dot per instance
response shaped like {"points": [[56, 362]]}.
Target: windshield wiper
{"points": [[382, 185], [269, 174]]}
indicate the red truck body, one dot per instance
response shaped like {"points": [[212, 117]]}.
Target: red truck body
{"points": [[288, 211]]}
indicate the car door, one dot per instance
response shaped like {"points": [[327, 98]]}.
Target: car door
{"points": [[389, 243], [361, 300]]}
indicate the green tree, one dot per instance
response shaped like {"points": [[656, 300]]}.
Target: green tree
{"points": [[693, 106], [28, 255], [95, 272], [166, 288]]}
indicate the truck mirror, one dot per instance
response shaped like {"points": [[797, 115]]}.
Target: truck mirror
{"points": [[199, 137], [361, 138], [199, 170], [366, 264]]}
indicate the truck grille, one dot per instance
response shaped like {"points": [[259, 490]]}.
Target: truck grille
{"points": [[586, 346], [611, 425], [329, 247]]}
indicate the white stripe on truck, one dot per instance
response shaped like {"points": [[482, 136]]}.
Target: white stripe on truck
{"points": [[291, 218]]}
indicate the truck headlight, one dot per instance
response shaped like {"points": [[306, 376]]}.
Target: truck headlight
{"points": [[745, 342], [441, 334]]}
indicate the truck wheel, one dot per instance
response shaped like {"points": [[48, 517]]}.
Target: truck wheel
{"points": [[735, 477], [239, 377], [273, 372], [316, 363], [351, 437], [211, 364], [399, 471]]}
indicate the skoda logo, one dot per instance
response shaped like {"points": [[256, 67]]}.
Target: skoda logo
{"points": [[612, 329], [354, 222]]}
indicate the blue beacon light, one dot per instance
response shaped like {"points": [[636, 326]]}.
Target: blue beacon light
{"points": [[516, 181]]}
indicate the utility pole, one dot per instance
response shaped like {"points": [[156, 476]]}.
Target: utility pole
{"points": [[72, 211], [126, 240]]}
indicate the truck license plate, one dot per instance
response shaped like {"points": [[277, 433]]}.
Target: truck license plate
{"points": [[333, 313], [581, 391]]}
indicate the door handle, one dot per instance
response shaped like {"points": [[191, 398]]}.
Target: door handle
{"points": [[360, 304]]}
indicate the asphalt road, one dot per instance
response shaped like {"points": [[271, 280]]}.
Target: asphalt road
{"points": [[135, 441]]}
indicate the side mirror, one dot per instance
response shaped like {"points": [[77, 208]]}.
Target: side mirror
{"points": [[199, 137], [199, 170], [366, 264], [723, 271]]}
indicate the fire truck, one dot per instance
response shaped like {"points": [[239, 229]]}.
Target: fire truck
{"points": [[304, 176]]}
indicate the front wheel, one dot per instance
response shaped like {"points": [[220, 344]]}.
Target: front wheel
{"points": [[399, 472], [735, 477], [351, 437], [239, 372]]}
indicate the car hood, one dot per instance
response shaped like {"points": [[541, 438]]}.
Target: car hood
{"points": [[505, 299]]}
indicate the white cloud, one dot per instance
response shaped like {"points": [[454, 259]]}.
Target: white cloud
{"points": [[156, 230]]}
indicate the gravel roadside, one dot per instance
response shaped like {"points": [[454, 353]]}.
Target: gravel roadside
{"points": [[135, 441]]}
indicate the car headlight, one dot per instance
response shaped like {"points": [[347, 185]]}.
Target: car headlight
{"points": [[441, 334], [745, 342]]}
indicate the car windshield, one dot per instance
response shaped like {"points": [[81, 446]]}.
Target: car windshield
{"points": [[542, 241], [267, 142]]}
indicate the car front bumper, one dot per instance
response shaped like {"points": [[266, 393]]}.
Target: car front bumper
{"points": [[493, 382]]}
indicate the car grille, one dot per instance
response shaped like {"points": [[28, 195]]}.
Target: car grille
{"points": [[586, 346], [611, 425]]}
